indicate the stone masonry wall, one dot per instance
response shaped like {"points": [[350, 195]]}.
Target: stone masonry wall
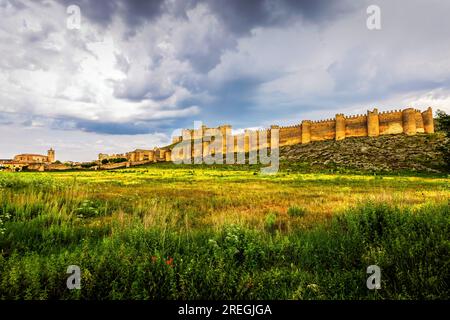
{"points": [[408, 121]]}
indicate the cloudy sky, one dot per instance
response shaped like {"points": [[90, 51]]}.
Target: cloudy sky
{"points": [[135, 71]]}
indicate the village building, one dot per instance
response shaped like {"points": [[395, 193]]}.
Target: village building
{"points": [[35, 158], [29, 160]]}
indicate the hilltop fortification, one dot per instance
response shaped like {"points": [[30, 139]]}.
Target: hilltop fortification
{"points": [[373, 124]]}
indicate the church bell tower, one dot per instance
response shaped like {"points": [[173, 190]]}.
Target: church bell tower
{"points": [[51, 155]]}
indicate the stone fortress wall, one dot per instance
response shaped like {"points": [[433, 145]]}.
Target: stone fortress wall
{"points": [[138, 156], [372, 124], [408, 121]]}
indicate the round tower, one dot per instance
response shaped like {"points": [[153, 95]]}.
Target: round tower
{"points": [[409, 121], [428, 122], [225, 131], [168, 155], [419, 122], [269, 136], [247, 140], [340, 126], [373, 123], [306, 131]]}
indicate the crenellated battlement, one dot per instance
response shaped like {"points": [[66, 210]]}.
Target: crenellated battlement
{"points": [[324, 121], [374, 123], [220, 140], [391, 112], [290, 127], [355, 116]]}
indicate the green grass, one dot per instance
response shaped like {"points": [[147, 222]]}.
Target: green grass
{"points": [[171, 232]]}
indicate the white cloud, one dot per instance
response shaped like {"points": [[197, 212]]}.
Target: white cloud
{"points": [[73, 73]]}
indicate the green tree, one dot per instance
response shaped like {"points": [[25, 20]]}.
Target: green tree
{"points": [[118, 160], [88, 164], [443, 124]]}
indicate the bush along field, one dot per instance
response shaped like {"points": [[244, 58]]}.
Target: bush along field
{"points": [[166, 232]]}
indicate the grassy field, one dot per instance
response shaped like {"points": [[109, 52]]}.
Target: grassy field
{"points": [[170, 232]]}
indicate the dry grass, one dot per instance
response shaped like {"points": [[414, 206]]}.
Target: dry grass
{"points": [[210, 198]]}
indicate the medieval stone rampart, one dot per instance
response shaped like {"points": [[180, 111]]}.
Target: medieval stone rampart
{"points": [[373, 124]]}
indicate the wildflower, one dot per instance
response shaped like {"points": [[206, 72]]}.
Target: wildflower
{"points": [[170, 262]]}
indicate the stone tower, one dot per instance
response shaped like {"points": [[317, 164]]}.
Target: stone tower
{"points": [[373, 123], [340, 127], [409, 121], [225, 131], [51, 155], [428, 123], [306, 131]]}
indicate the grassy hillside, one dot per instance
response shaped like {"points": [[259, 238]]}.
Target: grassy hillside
{"points": [[195, 233], [384, 154]]}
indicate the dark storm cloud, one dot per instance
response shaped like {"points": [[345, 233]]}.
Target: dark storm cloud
{"points": [[101, 127], [114, 128], [232, 98], [138, 11], [240, 16], [133, 12], [104, 127]]}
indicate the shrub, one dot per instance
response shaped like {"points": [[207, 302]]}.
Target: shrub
{"points": [[88, 208], [295, 211], [118, 160], [270, 221], [88, 164], [3, 217], [443, 124]]}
